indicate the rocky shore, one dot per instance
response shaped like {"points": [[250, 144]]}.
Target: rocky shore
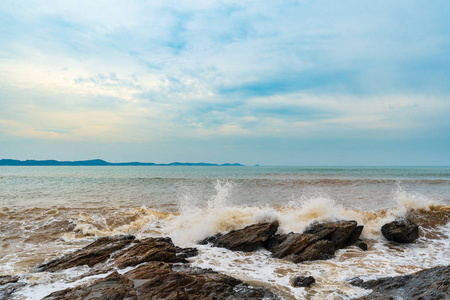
{"points": [[155, 268]]}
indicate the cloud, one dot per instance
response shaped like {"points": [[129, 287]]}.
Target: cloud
{"points": [[142, 71]]}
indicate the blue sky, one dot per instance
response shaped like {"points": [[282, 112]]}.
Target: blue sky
{"points": [[256, 82]]}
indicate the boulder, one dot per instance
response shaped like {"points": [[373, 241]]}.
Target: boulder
{"points": [[432, 283], [291, 243], [112, 287], [94, 253], [401, 231], [150, 249], [158, 280], [341, 233], [247, 239], [322, 249], [302, 281]]}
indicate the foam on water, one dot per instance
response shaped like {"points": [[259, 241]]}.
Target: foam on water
{"points": [[32, 235]]}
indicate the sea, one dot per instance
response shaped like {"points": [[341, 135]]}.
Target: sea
{"points": [[46, 212]]}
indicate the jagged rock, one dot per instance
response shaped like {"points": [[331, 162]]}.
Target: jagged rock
{"points": [[8, 279], [432, 283], [113, 287], [157, 280], [183, 253], [291, 243], [302, 281], [150, 249], [402, 231], [246, 239], [322, 249], [341, 233], [94, 253]]}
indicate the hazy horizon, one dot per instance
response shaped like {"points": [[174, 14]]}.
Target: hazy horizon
{"points": [[292, 83]]}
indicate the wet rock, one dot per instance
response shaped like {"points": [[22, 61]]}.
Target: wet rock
{"points": [[246, 239], [302, 281], [94, 253], [8, 289], [402, 231], [183, 253], [322, 249], [150, 249], [158, 280], [8, 279], [291, 243], [341, 233], [427, 284], [362, 246], [113, 287]]}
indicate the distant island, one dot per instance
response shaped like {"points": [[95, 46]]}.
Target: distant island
{"points": [[97, 162]]}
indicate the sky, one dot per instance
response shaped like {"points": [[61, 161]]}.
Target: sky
{"points": [[289, 82]]}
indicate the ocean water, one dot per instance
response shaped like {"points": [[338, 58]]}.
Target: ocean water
{"points": [[46, 212]]}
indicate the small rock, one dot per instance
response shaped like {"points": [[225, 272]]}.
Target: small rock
{"points": [[302, 281], [362, 246], [402, 231]]}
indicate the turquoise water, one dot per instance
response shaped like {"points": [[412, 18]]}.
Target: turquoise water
{"points": [[164, 187]]}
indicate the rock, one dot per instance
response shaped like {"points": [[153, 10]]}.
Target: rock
{"points": [[432, 283], [8, 279], [150, 249], [362, 246], [183, 253], [302, 281], [247, 239], [113, 287], [158, 280], [8, 285], [341, 233], [94, 253], [402, 231], [291, 243], [322, 249]]}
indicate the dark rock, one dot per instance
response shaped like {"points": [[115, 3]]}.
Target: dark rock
{"points": [[160, 282], [322, 249], [432, 283], [354, 236], [209, 239], [402, 231], [183, 253], [8, 285], [113, 287], [302, 281], [341, 233], [8, 279], [157, 280], [362, 246], [291, 243], [151, 249], [246, 239], [94, 253]]}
